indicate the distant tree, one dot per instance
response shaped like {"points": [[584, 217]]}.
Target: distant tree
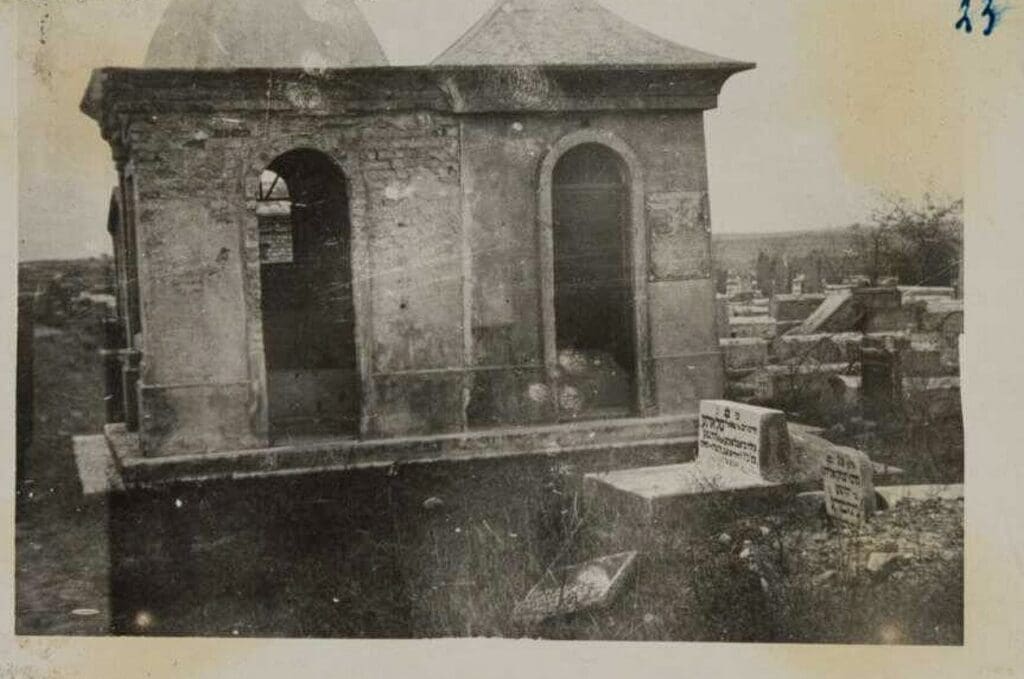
{"points": [[919, 245], [872, 251], [929, 242]]}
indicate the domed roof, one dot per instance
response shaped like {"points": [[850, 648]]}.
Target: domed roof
{"points": [[564, 32], [223, 34]]}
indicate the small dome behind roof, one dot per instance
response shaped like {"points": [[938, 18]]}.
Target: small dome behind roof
{"points": [[564, 32], [224, 34]]}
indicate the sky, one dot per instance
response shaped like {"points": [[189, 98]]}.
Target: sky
{"points": [[852, 101]]}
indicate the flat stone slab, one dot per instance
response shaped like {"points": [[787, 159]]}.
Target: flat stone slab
{"points": [[97, 470], [587, 586], [672, 492], [652, 494]]}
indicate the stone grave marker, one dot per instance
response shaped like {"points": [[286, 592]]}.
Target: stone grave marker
{"points": [[748, 438], [586, 586], [849, 490]]}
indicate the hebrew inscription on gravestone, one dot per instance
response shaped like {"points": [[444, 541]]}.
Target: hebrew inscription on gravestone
{"points": [[749, 438], [849, 488]]}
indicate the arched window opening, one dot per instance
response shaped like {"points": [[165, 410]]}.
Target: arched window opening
{"points": [[594, 308], [308, 311]]}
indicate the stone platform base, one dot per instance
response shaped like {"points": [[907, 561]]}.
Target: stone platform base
{"points": [[374, 546], [671, 493], [617, 443]]}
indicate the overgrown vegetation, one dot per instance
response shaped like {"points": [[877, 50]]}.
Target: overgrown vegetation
{"points": [[915, 244], [435, 552]]}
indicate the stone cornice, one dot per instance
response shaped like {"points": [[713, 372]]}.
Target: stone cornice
{"points": [[117, 92]]}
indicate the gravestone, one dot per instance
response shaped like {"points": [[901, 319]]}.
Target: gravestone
{"points": [[749, 460], [748, 438], [849, 489], [585, 586]]}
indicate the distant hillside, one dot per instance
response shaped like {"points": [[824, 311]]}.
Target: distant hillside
{"points": [[738, 252]]}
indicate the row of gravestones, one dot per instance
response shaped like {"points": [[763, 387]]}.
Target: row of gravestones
{"points": [[755, 441]]}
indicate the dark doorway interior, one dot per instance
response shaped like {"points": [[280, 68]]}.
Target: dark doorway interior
{"points": [[593, 293], [308, 313]]}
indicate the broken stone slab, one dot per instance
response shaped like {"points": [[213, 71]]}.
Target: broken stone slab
{"points": [[97, 469], [747, 438], [573, 589], [910, 293], [795, 307], [746, 310], [823, 577], [820, 348], [744, 353], [882, 564], [847, 476], [893, 494], [764, 327], [837, 313]]}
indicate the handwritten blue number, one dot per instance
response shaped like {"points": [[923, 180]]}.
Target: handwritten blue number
{"points": [[992, 14], [965, 17]]}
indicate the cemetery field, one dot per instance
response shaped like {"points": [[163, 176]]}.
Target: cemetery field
{"points": [[60, 550], [449, 551]]}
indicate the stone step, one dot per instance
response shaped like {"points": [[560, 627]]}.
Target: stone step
{"points": [[555, 437], [606, 444]]}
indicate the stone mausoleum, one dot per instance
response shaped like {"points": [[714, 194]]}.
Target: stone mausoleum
{"points": [[320, 256]]}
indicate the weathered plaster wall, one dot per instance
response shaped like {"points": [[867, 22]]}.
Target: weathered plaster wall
{"points": [[199, 265], [501, 161], [445, 266], [413, 231], [195, 373]]}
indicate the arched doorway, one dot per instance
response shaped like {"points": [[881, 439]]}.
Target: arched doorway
{"points": [[594, 312], [308, 313]]}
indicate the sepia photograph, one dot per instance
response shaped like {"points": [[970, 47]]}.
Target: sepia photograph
{"points": [[574, 320]]}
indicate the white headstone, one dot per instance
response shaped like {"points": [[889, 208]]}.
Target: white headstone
{"points": [[849, 489], [749, 438]]}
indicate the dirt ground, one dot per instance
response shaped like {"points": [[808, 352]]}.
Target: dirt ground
{"points": [[411, 567]]}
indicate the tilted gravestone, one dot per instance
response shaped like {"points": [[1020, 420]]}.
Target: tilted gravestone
{"points": [[849, 489], [747, 438]]}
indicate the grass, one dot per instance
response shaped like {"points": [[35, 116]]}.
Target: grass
{"points": [[439, 551]]}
